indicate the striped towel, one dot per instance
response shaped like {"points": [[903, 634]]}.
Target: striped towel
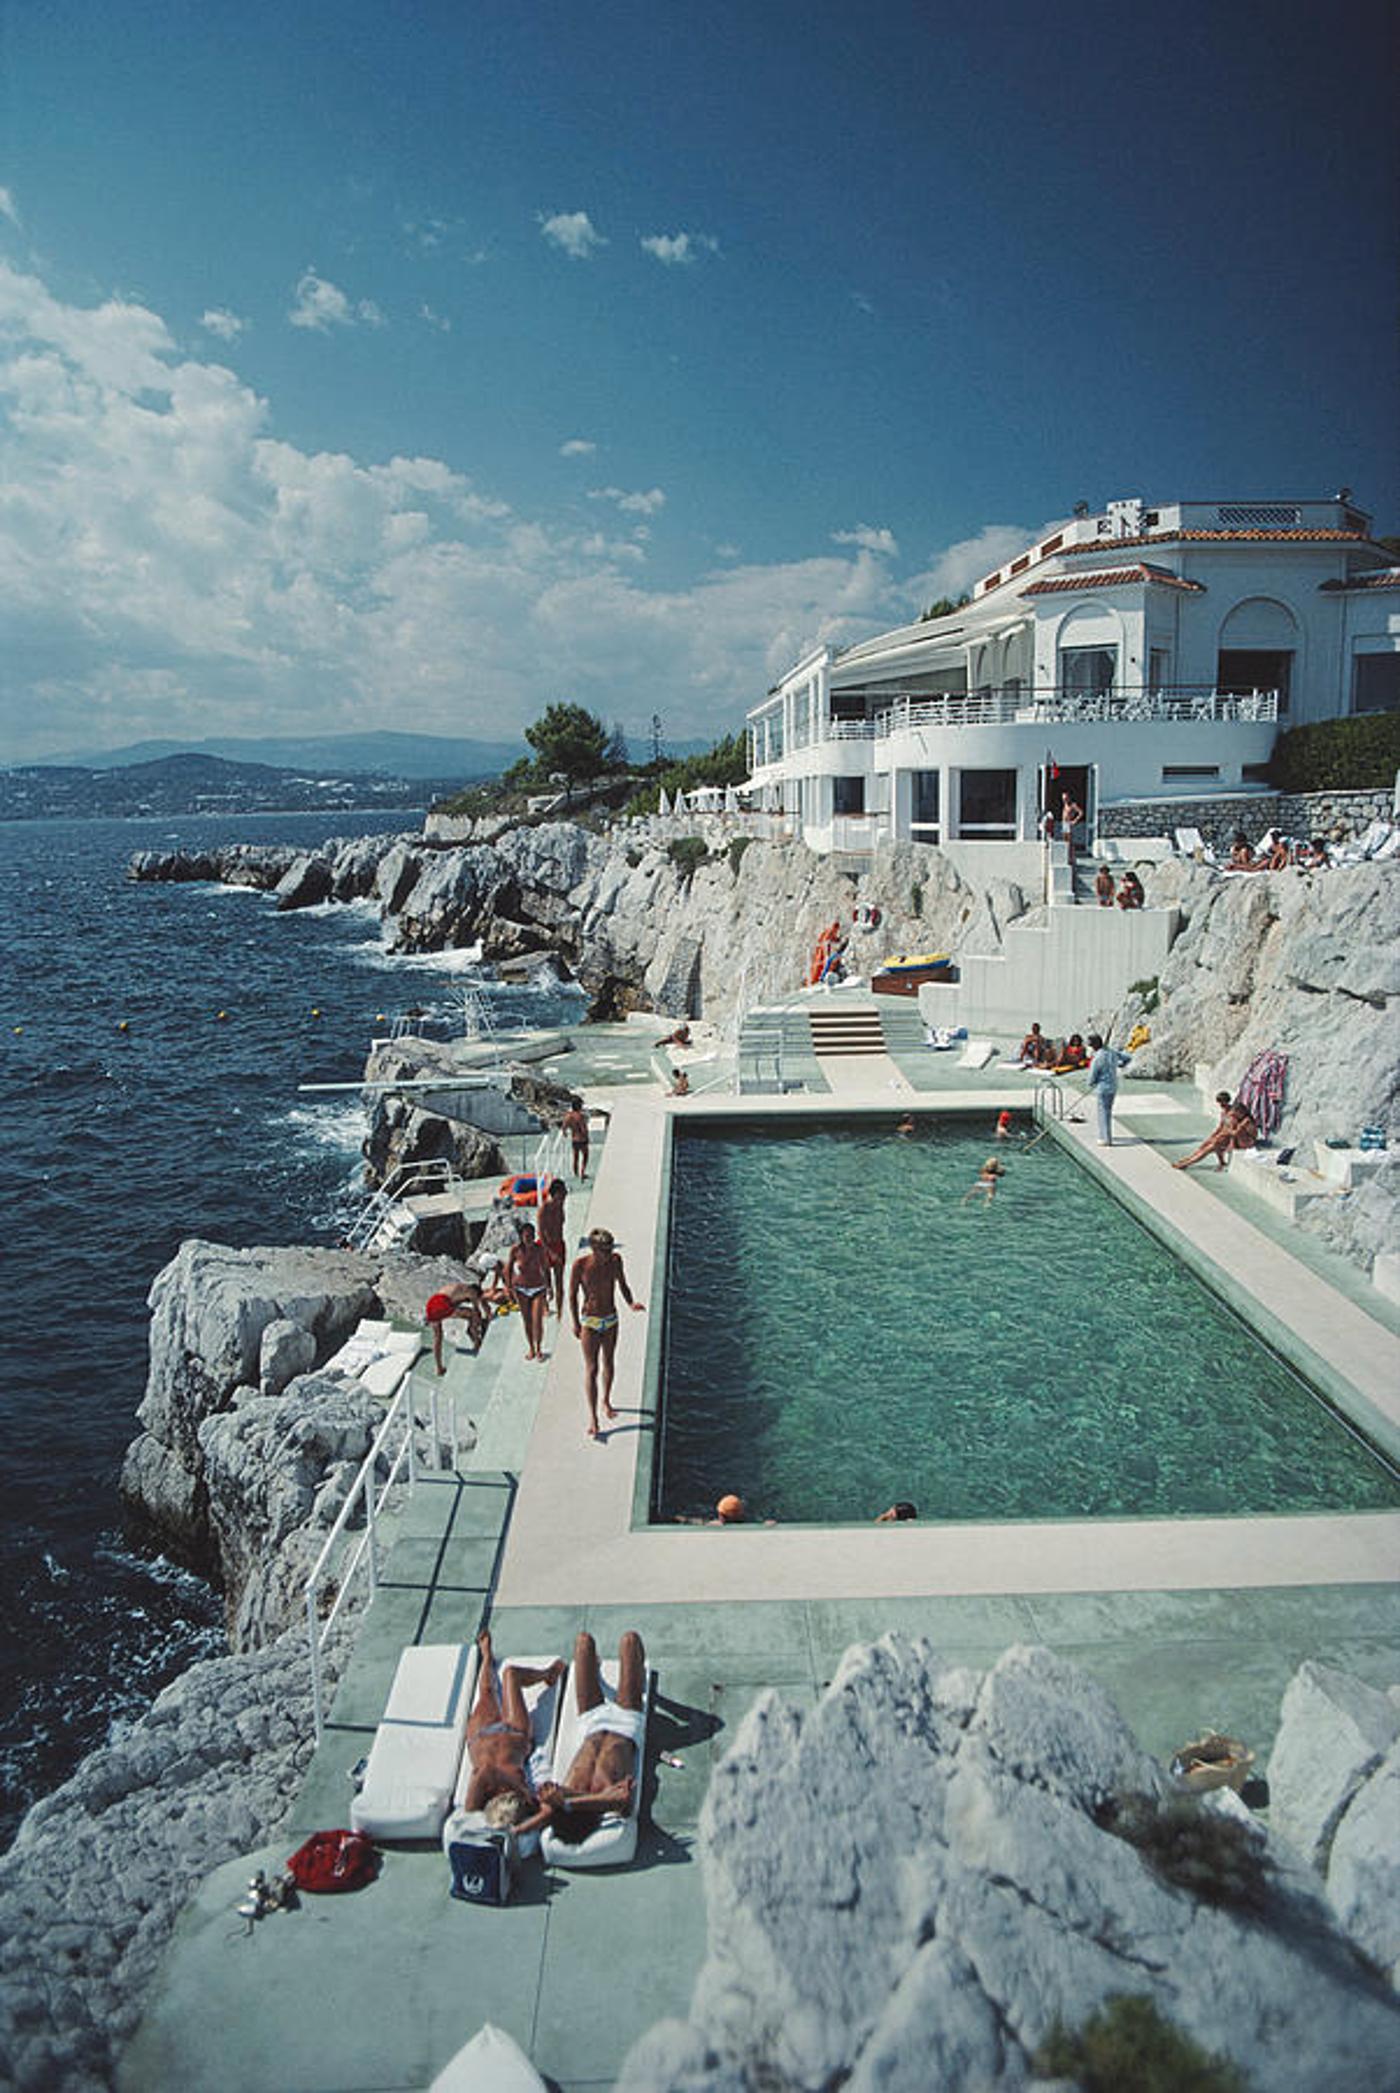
{"points": [[1261, 1091]]}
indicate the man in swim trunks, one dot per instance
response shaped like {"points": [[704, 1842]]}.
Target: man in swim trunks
{"points": [[607, 1764], [594, 1283], [575, 1125], [527, 1276], [499, 1741], [464, 1299], [552, 1236]]}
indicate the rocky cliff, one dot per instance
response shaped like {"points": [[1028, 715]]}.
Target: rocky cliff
{"points": [[910, 1886]]}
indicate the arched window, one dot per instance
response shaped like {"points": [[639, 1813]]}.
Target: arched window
{"points": [[1257, 649]]}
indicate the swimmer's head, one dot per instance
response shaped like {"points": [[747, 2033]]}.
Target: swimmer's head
{"points": [[504, 1809], [1003, 1119], [730, 1510], [600, 1239]]}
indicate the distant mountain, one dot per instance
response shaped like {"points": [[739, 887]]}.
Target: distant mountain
{"points": [[438, 757], [194, 783]]}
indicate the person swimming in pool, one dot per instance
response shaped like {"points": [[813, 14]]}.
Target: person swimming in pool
{"points": [[607, 1765], [594, 1284], [987, 1178], [499, 1743]]}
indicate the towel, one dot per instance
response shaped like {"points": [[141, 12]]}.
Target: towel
{"points": [[617, 1720], [1261, 1091]]}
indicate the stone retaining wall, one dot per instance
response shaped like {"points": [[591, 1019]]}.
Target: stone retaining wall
{"points": [[1218, 817]]}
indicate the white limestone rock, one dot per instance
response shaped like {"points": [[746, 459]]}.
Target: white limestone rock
{"points": [[907, 1889], [100, 1869], [286, 1351], [1333, 1732], [1363, 1871], [306, 883]]}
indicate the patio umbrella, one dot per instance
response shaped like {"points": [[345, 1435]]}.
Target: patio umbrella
{"points": [[663, 804]]}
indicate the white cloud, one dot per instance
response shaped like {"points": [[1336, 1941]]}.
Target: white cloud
{"points": [[435, 319], [863, 304], [572, 232], [639, 504], [10, 209], [677, 250], [322, 305], [953, 571], [170, 564], [869, 538], [227, 326], [577, 447]]}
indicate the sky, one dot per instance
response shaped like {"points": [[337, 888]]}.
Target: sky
{"points": [[416, 366]]}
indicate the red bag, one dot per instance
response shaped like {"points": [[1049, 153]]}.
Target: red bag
{"points": [[333, 1860]]}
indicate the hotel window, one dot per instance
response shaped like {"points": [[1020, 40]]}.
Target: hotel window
{"points": [[1158, 668], [1088, 672], [987, 805], [848, 795], [923, 806], [1376, 684], [1177, 771]]}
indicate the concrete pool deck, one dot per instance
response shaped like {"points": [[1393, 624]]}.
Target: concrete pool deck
{"points": [[1188, 1623], [572, 1539]]}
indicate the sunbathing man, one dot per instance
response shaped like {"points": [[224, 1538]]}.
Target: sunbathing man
{"points": [[1036, 1050], [552, 1236], [607, 1764], [680, 1037], [594, 1283], [1236, 1129], [463, 1299], [499, 1743]]}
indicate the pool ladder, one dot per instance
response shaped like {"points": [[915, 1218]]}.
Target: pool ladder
{"points": [[1048, 1101]]}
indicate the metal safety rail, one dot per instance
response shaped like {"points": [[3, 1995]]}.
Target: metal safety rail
{"points": [[551, 1158], [369, 1492], [1047, 1101], [386, 1219]]}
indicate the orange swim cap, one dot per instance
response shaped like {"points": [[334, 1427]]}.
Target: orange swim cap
{"points": [[730, 1509]]}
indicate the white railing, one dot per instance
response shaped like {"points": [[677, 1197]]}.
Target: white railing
{"points": [[1056, 707], [366, 1490], [552, 1156], [1047, 1101], [409, 1179]]}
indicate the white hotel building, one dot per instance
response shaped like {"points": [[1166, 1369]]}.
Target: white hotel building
{"points": [[1150, 652]]}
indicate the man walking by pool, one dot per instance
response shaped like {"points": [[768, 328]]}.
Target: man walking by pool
{"points": [[594, 1284], [552, 1236], [575, 1125], [1103, 1082]]}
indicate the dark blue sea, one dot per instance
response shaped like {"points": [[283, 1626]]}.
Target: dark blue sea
{"points": [[117, 1145]]}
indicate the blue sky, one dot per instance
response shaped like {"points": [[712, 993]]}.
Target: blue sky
{"points": [[367, 366]]}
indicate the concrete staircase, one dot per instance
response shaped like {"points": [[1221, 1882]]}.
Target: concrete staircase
{"points": [[851, 1031]]}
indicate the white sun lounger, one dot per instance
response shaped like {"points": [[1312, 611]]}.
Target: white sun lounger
{"points": [[977, 1053], [614, 1843], [377, 1355], [542, 1704], [417, 1748]]}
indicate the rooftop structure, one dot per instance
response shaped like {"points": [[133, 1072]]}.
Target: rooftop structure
{"points": [[1150, 651]]}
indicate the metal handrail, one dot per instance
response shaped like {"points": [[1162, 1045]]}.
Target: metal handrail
{"points": [[400, 1413], [431, 1174], [1051, 1093]]}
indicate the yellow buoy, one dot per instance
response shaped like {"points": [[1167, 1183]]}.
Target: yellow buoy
{"points": [[314, 1011], [223, 1014], [124, 1026], [16, 1028]]}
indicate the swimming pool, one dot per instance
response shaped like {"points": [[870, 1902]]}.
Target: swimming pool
{"points": [[841, 1330]]}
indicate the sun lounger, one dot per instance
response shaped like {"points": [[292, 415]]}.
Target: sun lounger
{"points": [[977, 1053], [542, 1704], [1190, 842], [417, 1748], [614, 1842], [376, 1355]]}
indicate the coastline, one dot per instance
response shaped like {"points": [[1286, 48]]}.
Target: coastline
{"points": [[225, 1731]]}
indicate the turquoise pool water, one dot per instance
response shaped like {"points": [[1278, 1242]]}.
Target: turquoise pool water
{"points": [[842, 1330]]}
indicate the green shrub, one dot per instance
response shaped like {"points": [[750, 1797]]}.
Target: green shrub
{"points": [[686, 853], [736, 852], [634, 858], [1215, 1858], [916, 898], [1338, 755], [1127, 2047], [1149, 991]]}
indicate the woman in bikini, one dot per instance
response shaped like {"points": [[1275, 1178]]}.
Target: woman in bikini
{"points": [[499, 1743], [594, 1283], [527, 1276]]}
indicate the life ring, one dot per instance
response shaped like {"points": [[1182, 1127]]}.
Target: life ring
{"points": [[520, 1191], [867, 916]]}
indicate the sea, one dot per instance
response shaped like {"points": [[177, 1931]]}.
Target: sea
{"points": [[152, 1041]]}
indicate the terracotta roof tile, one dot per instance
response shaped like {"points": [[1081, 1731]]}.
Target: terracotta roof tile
{"points": [[1380, 578], [1111, 577], [1202, 537]]}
